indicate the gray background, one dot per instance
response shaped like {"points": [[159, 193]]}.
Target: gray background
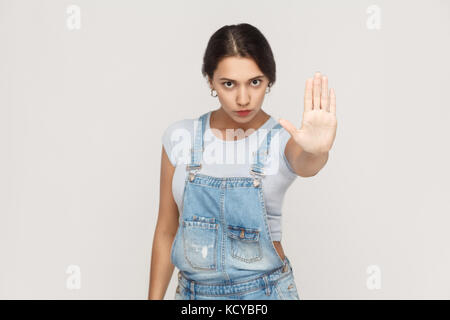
{"points": [[82, 112]]}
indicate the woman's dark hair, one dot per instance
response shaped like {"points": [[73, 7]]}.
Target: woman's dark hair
{"points": [[242, 40]]}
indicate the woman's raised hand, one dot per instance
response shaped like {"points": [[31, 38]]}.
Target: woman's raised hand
{"points": [[318, 130]]}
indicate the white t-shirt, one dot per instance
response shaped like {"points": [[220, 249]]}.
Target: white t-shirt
{"points": [[232, 158]]}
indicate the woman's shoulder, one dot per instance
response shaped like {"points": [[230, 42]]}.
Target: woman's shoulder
{"points": [[176, 131], [186, 125]]}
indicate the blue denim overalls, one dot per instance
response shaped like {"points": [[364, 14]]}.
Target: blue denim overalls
{"points": [[223, 248]]}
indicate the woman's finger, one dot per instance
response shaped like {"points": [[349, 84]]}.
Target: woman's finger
{"points": [[324, 99], [316, 93], [308, 94], [332, 101], [288, 126]]}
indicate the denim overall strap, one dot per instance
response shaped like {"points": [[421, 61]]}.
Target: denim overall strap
{"points": [[197, 146], [260, 155]]}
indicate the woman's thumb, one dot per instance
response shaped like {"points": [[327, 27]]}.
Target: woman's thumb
{"points": [[288, 126]]}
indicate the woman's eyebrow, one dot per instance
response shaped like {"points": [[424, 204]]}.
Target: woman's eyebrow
{"points": [[248, 79]]}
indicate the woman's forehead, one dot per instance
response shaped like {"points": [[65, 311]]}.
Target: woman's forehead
{"points": [[237, 68]]}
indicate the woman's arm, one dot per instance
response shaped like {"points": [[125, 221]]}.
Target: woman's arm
{"points": [[304, 164], [161, 268]]}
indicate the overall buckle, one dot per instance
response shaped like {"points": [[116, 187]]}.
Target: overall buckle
{"points": [[193, 170], [256, 177]]}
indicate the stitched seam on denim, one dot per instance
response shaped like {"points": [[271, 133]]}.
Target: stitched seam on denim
{"points": [[200, 224], [205, 185], [234, 233], [277, 283], [223, 236], [182, 292], [220, 187], [217, 180], [231, 178], [209, 179], [292, 293], [266, 224], [234, 243], [240, 293], [250, 186], [283, 275], [277, 289], [270, 274]]}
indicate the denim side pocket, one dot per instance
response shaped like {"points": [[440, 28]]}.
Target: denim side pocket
{"points": [[245, 244], [200, 241], [287, 288], [179, 292]]}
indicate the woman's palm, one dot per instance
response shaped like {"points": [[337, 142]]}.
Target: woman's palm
{"points": [[318, 130]]}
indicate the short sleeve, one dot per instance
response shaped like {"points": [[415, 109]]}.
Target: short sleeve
{"points": [[167, 144], [176, 140], [284, 138]]}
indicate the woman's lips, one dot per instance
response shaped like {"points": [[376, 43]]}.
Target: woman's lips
{"points": [[243, 113]]}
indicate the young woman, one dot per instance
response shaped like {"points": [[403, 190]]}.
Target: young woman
{"points": [[219, 219]]}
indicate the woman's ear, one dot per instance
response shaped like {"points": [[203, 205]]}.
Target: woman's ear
{"points": [[210, 83]]}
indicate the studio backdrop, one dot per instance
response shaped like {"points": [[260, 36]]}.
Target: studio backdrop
{"points": [[88, 87]]}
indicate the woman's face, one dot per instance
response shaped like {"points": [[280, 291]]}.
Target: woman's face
{"points": [[240, 85]]}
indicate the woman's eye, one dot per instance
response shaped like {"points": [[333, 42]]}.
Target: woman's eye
{"points": [[257, 80], [228, 84]]}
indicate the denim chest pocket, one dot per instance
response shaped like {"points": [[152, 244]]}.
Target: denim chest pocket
{"points": [[244, 243], [200, 242]]}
